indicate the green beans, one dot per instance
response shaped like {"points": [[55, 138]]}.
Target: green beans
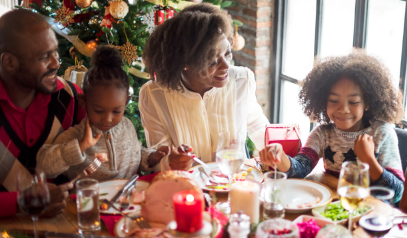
{"points": [[336, 212]]}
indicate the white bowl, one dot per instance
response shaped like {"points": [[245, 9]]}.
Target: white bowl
{"points": [[318, 210]]}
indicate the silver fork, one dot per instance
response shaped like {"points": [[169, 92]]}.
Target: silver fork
{"points": [[140, 221], [126, 203], [88, 170]]}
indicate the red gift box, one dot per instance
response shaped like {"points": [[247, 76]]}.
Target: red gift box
{"points": [[288, 135]]}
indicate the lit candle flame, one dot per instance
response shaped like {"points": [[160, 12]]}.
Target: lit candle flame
{"points": [[5, 235], [190, 198]]}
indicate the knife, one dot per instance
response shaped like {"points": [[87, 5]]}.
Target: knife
{"points": [[127, 186]]}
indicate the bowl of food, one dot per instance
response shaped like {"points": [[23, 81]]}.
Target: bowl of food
{"points": [[277, 228], [338, 215]]}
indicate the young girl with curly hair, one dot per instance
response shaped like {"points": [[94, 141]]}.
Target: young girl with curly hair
{"points": [[354, 100]]}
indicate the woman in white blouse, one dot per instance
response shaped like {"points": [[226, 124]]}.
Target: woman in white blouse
{"points": [[196, 93]]}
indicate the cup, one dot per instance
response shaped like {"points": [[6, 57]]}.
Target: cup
{"points": [[273, 195], [87, 203], [277, 228]]}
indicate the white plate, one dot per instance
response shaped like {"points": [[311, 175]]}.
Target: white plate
{"points": [[256, 173], [111, 187], [318, 210], [299, 191], [118, 228]]}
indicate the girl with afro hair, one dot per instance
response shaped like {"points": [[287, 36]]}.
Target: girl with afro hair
{"points": [[356, 103]]}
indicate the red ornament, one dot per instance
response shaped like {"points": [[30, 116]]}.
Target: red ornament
{"points": [[159, 17], [169, 13]]}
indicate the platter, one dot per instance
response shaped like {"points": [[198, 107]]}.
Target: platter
{"points": [[255, 174], [119, 227], [109, 188]]}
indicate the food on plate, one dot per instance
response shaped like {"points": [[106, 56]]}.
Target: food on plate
{"points": [[308, 229], [305, 204], [148, 233], [158, 206], [138, 196], [284, 231], [223, 181], [336, 212]]}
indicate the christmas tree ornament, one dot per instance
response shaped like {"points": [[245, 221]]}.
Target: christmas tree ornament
{"points": [[107, 19], [64, 16], [75, 73], [149, 19], [92, 44], [118, 9], [83, 3], [162, 14], [238, 41], [128, 52]]}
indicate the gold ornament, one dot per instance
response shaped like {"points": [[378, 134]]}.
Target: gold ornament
{"points": [[83, 3], [92, 44], [118, 9], [64, 16], [128, 52], [238, 42]]}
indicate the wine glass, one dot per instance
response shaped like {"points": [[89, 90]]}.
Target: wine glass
{"points": [[353, 186], [230, 158], [380, 223], [32, 194]]}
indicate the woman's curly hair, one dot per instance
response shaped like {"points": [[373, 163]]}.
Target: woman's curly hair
{"points": [[189, 39], [374, 79]]}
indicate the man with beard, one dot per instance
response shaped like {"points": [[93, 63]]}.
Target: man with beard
{"points": [[35, 104]]}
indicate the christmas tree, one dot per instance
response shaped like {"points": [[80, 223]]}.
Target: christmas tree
{"points": [[126, 25]]}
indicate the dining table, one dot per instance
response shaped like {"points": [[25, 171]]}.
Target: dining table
{"points": [[67, 222]]}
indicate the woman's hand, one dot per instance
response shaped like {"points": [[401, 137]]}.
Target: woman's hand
{"points": [[364, 148], [181, 158], [155, 157], [88, 140], [274, 154]]}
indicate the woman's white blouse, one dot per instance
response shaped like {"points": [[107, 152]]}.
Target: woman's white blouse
{"points": [[174, 117]]}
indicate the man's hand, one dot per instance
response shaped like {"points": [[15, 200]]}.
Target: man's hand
{"points": [[181, 158], [88, 140], [57, 196], [155, 157]]}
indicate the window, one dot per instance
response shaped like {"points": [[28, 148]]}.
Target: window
{"points": [[306, 30]]}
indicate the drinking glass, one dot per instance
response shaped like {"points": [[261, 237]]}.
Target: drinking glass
{"points": [[380, 223], [230, 158], [274, 194], [33, 194], [353, 186], [87, 203]]}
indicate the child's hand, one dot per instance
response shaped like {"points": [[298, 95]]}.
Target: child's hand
{"points": [[88, 140], [271, 154], [364, 148], [102, 157], [156, 156], [181, 158]]}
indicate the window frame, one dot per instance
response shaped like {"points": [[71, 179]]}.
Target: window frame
{"points": [[359, 40]]}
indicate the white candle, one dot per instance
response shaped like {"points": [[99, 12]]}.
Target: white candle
{"points": [[245, 196]]}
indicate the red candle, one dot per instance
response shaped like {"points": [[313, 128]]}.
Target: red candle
{"points": [[188, 206]]}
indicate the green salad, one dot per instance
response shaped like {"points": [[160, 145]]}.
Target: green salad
{"points": [[336, 212]]}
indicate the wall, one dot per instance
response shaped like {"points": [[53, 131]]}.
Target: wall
{"points": [[257, 17]]}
